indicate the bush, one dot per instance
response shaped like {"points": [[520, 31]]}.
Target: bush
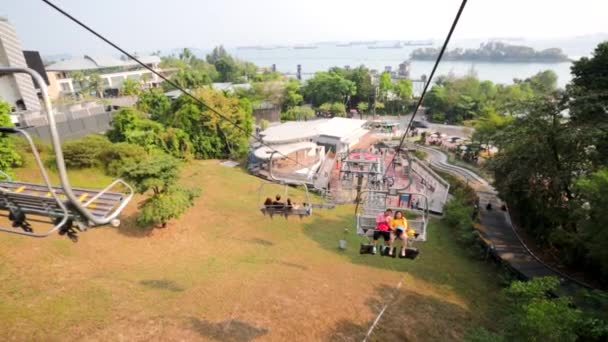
{"points": [[162, 207], [120, 156], [159, 174], [84, 152]]}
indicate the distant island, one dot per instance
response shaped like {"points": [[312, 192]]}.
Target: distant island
{"points": [[494, 52]]}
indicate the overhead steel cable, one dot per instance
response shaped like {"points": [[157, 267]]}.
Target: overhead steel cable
{"points": [[426, 85], [164, 78]]}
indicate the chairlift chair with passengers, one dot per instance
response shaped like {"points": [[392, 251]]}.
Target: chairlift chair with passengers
{"points": [[376, 202], [279, 196], [68, 208]]}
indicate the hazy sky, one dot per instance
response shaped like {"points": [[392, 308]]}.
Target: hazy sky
{"points": [[146, 25]]}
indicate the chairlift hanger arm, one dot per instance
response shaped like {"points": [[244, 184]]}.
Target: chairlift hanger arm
{"points": [[64, 210], [56, 143]]}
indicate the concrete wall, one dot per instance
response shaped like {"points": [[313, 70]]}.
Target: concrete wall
{"points": [[75, 127]]}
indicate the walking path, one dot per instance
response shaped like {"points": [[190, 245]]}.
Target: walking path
{"points": [[497, 230]]}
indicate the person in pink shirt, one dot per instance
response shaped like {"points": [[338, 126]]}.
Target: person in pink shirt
{"points": [[383, 228]]}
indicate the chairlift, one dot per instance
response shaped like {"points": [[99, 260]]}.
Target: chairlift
{"points": [[279, 198], [376, 202], [66, 206]]}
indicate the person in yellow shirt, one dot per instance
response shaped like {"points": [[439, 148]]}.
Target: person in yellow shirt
{"points": [[398, 231]]}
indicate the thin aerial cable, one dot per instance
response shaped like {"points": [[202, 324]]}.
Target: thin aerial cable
{"points": [[428, 82], [164, 78]]}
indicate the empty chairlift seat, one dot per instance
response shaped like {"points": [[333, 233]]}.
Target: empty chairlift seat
{"points": [[36, 199]]}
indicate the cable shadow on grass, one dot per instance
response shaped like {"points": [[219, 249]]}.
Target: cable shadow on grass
{"points": [[256, 241], [408, 317], [162, 284], [229, 330]]}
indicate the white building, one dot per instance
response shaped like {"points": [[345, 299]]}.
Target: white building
{"points": [[113, 72], [336, 134], [18, 89]]}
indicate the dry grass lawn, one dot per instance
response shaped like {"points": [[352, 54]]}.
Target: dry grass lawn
{"points": [[224, 272]]}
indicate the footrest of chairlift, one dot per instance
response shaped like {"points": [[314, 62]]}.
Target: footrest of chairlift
{"points": [[366, 249], [410, 253], [385, 252]]}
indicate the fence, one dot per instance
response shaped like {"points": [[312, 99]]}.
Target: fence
{"points": [[71, 125]]}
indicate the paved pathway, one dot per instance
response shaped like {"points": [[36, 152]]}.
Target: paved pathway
{"points": [[497, 228]]}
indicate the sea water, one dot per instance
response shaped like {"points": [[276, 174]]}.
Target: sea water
{"points": [[325, 56]]}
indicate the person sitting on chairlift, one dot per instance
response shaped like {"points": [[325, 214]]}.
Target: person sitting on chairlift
{"points": [[277, 204], [383, 229], [399, 227]]}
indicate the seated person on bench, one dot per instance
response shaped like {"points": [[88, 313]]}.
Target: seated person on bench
{"points": [[399, 228], [277, 204], [383, 228]]}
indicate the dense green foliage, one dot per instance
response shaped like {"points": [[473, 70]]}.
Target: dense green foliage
{"points": [[360, 76], [130, 87], [298, 114], [117, 157], [533, 313], [328, 87], [132, 126], [291, 95], [211, 135], [335, 109], [495, 52], [84, 152], [458, 99], [9, 157], [551, 163], [458, 213], [155, 103]]}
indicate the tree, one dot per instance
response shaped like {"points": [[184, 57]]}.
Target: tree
{"points": [[593, 234], [360, 76], [155, 103], [385, 85], [84, 152], [291, 95], [335, 109], [218, 53], [211, 135], [544, 82], [534, 170], [403, 89], [536, 316], [328, 87], [588, 101], [190, 78], [9, 157], [130, 87], [132, 126], [96, 84], [159, 175], [78, 79], [298, 113], [362, 108], [186, 55]]}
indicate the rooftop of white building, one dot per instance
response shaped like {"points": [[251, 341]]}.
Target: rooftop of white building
{"points": [[293, 131], [98, 62]]}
